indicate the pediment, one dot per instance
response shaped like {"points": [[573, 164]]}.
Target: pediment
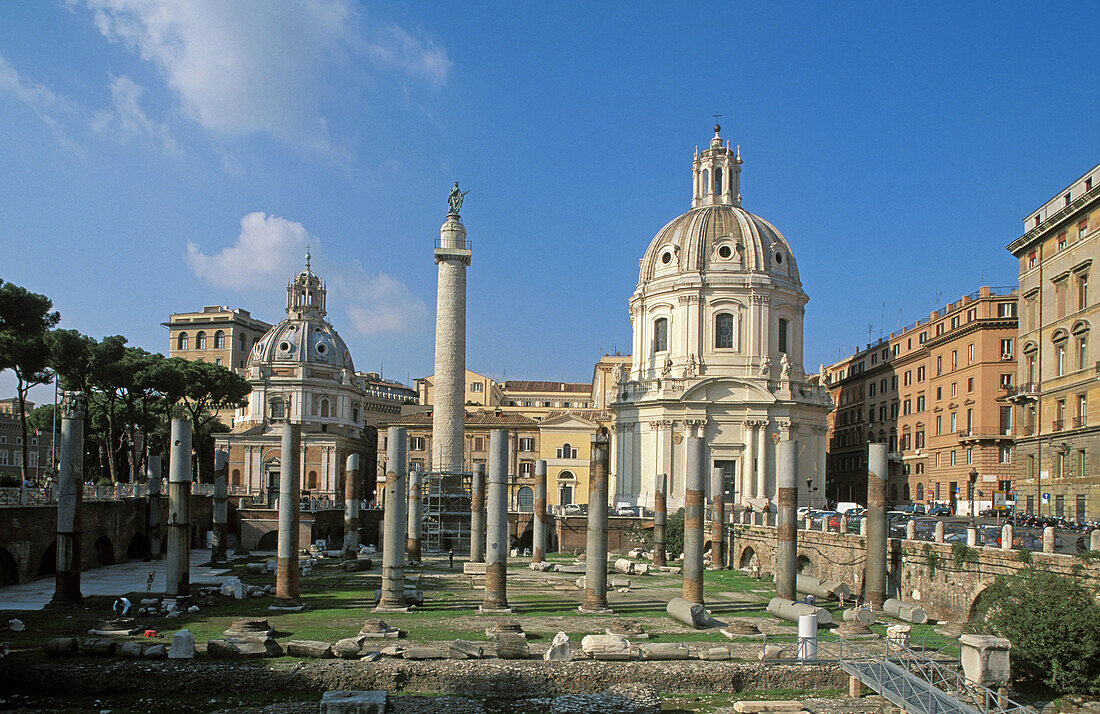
{"points": [[728, 389], [568, 421]]}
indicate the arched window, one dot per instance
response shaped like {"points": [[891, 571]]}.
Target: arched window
{"points": [[182, 343], [782, 335], [660, 335], [723, 331], [567, 451], [200, 340], [311, 480], [240, 341], [718, 182], [235, 477], [526, 499], [706, 181], [920, 491], [324, 407], [278, 409], [219, 340]]}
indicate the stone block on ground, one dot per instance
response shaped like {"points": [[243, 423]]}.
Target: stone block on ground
{"points": [[715, 654], [349, 647], [985, 659], [155, 652], [244, 647], [628, 629], [309, 648], [660, 651], [770, 652], [392, 650], [464, 649], [378, 629], [624, 566], [608, 647], [542, 567], [62, 647], [559, 650], [741, 629], [762, 706], [511, 646], [691, 614], [620, 582], [417, 652], [469, 568], [249, 627], [505, 627], [347, 702], [572, 569], [98, 647], [132, 650]]}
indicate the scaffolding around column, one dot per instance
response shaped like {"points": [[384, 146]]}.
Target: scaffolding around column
{"points": [[445, 522]]}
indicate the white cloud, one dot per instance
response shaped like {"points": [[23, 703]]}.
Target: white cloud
{"points": [[50, 107], [255, 66], [268, 249], [126, 119], [379, 304]]}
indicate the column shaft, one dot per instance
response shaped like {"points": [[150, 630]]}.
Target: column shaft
{"points": [[286, 571], [415, 514], [747, 485], [477, 515], [874, 578], [221, 508], [351, 507], [179, 511], [718, 519], [496, 541], [393, 530], [153, 479], [660, 518], [70, 499], [538, 551], [694, 505], [786, 532], [762, 461], [595, 555]]}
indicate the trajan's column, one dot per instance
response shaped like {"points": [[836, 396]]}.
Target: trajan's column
{"points": [[452, 255]]}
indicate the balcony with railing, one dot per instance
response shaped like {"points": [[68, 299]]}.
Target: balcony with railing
{"points": [[1058, 425], [1080, 421], [1022, 392], [975, 435]]}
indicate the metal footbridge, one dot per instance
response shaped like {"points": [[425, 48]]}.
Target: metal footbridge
{"points": [[921, 677]]}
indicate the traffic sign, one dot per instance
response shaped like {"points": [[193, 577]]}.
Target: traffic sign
{"points": [[1046, 496]]}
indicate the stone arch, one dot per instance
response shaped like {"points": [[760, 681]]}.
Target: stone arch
{"points": [[980, 605], [47, 565], [103, 552], [747, 559], [805, 566], [9, 569], [268, 541], [138, 549]]}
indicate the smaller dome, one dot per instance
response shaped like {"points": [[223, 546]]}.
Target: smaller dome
{"points": [[302, 342]]}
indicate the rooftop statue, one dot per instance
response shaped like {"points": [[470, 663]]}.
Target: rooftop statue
{"points": [[455, 199]]}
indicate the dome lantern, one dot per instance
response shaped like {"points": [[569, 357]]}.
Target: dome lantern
{"points": [[716, 174], [305, 294]]}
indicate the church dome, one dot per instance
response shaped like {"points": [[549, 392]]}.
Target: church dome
{"points": [[717, 234], [305, 336], [719, 238]]}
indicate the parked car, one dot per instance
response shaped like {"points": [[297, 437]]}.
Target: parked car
{"points": [[572, 509], [939, 510]]}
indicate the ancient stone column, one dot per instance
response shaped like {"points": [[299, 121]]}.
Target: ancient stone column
{"points": [[70, 498], [392, 598], [595, 554], [221, 507], [874, 578], [415, 515], [695, 484], [496, 540], [660, 518], [286, 571], [448, 404], [477, 515], [152, 477], [179, 511], [351, 507], [718, 519], [762, 461], [538, 550], [786, 532]]}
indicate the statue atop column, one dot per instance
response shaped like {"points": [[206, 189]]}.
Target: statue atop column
{"points": [[455, 200]]}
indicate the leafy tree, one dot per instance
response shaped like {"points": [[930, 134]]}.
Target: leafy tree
{"points": [[1052, 622], [210, 387], [71, 358], [674, 533], [25, 318]]}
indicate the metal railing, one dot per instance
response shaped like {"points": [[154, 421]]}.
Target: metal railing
{"points": [[1080, 421], [47, 495], [922, 676], [1057, 424]]}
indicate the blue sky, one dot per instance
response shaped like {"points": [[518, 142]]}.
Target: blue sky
{"points": [[163, 156]]}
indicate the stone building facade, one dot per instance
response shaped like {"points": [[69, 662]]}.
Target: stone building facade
{"points": [[215, 334], [1057, 395], [717, 352], [934, 393]]}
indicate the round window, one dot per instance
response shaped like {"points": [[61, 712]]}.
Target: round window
{"points": [[666, 258], [284, 346], [778, 258], [321, 349], [725, 251]]}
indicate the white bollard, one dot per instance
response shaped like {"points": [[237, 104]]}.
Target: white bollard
{"points": [[807, 637]]}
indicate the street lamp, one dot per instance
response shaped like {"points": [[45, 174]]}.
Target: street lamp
{"points": [[973, 480]]}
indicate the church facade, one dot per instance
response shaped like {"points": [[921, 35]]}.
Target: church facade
{"points": [[717, 352]]}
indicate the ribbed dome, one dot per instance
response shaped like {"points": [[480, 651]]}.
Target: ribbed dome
{"points": [[718, 238], [302, 341]]}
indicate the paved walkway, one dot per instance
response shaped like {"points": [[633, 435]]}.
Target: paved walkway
{"points": [[130, 576]]}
